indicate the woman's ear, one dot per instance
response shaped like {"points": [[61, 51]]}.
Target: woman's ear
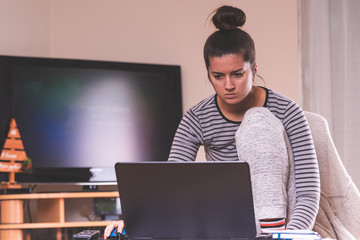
{"points": [[254, 71], [255, 68]]}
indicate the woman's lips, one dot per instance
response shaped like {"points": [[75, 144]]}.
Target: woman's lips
{"points": [[230, 95]]}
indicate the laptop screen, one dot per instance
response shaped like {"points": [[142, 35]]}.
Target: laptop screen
{"points": [[188, 200]]}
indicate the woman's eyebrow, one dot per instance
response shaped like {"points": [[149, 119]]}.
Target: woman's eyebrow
{"points": [[240, 69], [214, 72]]}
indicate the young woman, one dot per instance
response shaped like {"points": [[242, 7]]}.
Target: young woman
{"points": [[244, 122]]}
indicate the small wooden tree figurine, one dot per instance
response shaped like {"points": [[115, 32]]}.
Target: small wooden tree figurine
{"points": [[13, 156]]}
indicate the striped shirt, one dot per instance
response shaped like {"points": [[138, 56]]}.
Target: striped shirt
{"points": [[204, 124]]}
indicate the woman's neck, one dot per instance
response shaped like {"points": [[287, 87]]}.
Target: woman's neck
{"points": [[235, 112]]}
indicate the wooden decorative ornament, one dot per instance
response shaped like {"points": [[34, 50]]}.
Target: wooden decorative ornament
{"points": [[13, 156]]}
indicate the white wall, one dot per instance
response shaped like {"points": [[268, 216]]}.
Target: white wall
{"points": [[156, 31]]}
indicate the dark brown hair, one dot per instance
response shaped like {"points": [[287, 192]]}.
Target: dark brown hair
{"points": [[229, 38]]}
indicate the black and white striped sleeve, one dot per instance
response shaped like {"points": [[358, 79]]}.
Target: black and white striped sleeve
{"points": [[187, 139], [307, 178]]}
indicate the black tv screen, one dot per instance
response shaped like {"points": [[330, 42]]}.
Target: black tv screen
{"points": [[77, 118]]}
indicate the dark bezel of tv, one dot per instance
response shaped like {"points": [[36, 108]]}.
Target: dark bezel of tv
{"points": [[77, 118]]}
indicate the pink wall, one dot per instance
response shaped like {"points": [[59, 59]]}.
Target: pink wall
{"points": [[156, 31], [25, 27], [173, 32]]}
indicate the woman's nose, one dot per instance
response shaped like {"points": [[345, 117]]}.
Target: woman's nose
{"points": [[229, 84]]}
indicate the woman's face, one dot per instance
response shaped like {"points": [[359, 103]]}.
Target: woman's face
{"points": [[231, 77]]}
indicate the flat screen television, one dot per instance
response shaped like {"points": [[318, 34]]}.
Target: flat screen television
{"points": [[77, 118]]}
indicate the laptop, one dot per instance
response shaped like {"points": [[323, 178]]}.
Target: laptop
{"points": [[186, 200]]}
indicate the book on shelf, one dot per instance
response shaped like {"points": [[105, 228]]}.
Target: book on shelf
{"points": [[293, 234]]}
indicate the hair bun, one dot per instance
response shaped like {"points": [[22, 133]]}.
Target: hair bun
{"points": [[227, 18]]}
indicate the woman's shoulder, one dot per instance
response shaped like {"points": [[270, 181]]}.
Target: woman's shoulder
{"points": [[278, 100], [282, 105], [274, 95], [204, 105]]}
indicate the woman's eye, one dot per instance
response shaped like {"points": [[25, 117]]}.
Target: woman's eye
{"points": [[239, 74], [217, 76]]}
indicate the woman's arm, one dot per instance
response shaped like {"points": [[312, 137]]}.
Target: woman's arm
{"points": [[187, 139], [307, 178]]}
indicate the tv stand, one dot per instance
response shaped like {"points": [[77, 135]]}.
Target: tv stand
{"points": [[50, 212], [15, 190]]}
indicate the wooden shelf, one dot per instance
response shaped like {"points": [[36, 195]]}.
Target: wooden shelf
{"points": [[58, 195], [51, 214], [54, 225]]}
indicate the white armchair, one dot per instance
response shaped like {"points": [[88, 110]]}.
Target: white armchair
{"points": [[339, 213]]}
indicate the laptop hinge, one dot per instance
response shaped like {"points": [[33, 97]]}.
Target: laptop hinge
{"points": [[151, 238]]}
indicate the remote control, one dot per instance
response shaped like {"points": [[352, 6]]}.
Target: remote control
{"points": [[87, 235]]}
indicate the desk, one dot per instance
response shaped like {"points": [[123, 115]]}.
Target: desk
{"points": [[51, 214]]}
